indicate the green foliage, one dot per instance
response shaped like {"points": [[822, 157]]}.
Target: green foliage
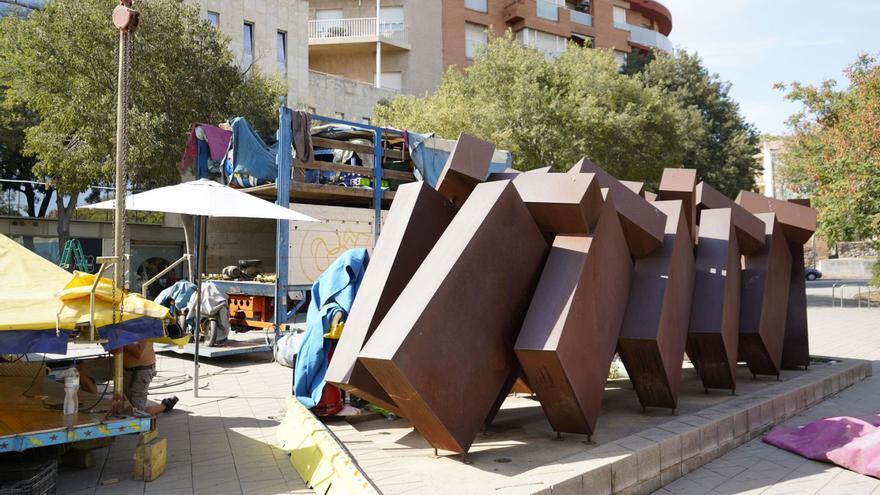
{"points": [[551, 111], [60, 63], [718, 142], [875, 280], [834, 153]]}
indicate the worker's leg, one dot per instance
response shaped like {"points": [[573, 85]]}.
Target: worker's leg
{"points": [[86, 382]]}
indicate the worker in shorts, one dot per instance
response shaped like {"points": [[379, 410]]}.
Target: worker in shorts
{"points": [[139, 363]]}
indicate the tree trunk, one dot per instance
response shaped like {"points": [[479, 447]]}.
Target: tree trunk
{"points": [[28, 191], [65, 212], [45, 202]]}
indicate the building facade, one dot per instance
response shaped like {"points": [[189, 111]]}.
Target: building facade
{"points": [[418, 39]]}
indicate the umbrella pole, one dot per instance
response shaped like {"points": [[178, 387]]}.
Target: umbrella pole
{"points": [[200, 263]]}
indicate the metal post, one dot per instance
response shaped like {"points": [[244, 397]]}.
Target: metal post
{"points": [[378, 44], [284, 160], [126, 21], [378, 154], [200, 264]]}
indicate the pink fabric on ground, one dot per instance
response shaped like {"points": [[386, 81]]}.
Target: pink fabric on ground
{"points": [[851, 443]]}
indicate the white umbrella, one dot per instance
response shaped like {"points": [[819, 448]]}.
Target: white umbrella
{"points": [[203, 198]]}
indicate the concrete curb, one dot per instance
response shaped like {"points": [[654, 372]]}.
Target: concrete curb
{"points": [[652, 458]]}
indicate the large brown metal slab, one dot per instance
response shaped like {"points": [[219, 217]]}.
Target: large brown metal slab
{"points": [[417, 218], [796, 349], [561, 203], [766, 278], [642, 224], [798, 221], [749, 230], [713, 332], [569, 336], [681, 184], [467, 166], [655, 326], [444, 351], [635, 186]]}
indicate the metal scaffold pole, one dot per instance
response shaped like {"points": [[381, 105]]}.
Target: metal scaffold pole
{"points": [[126, 21]]}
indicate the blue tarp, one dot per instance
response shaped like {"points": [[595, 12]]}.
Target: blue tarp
{"points": [[25, 341], [332, 292], [180, 293], [253, 161], [429, 162], [130, 331]]}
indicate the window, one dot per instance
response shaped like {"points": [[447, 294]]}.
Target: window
{"points": [[214, 18], [475, 35], [550, 44], [281, 51], [329, 23], [247, 45], [619, 16], [392, 80], [548, 9], [620, 58], [478, 5], [391, 19]]}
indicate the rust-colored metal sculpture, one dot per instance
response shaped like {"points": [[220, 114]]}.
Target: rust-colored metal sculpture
{"points": [[713, 332], [765, 283], [635, 186], [444, 351], [643, 225], [467, 166], [561, 203], [681, 184], [655, 326], [417, 218], [570, 333], [749, 230], [798, 223]]}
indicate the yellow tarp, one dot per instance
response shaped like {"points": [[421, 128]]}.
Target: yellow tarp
{"points": [[36, 294]]}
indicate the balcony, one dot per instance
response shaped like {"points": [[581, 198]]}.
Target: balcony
{"points": [[646, 37], [578, 17], [360, 30]]}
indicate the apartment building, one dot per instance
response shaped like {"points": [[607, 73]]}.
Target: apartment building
{"points": [[411, 42]]}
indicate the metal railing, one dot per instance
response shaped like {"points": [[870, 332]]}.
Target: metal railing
{"points": [[837, 299], [362, 27]]}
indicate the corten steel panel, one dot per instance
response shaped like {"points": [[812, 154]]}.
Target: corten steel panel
{"points": [[713, 332], [681, 183], [655, 326], [796, 349], [650, 196], [417, 218], [798, 221], [765, 285], [467, 166], [642, 224], [569, 336], [561, 203], [749, 230], [444, 351], [541, 170], [636, 187]]}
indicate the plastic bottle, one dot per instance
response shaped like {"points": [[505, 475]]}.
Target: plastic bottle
{"points": [[71, 389]]}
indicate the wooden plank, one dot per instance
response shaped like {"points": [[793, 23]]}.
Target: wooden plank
{"points": [[354, 169], [320, 142]]}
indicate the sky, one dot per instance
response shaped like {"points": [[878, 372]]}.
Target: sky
{"points": [[755, 44]]}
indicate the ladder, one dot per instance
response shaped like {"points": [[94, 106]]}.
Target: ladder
{"points": [[73, 247]]}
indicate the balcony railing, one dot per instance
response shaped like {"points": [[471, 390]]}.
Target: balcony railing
{"points": [[547, 9], [647, 37], [363, 27], [581, 18]]}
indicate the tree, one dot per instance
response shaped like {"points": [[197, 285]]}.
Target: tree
{"points": [[60, 64], [834, 152], [551, 111], [718, 142], [14, 165]]}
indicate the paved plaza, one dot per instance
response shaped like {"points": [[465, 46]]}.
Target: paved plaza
{"points": [[224, 441]]}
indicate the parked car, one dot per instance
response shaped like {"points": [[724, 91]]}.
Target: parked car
{"points": [[812, 274]]}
